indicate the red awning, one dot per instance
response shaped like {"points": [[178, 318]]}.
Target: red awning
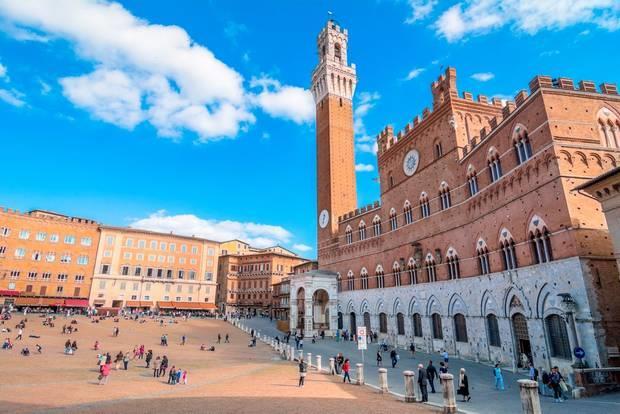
{"points": [[76, 303], [9, 293]]}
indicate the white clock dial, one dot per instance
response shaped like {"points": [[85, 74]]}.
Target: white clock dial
{"points": [[411, 162], [323, 219]]}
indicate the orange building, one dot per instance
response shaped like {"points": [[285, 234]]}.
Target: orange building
{"points": [[246, 276], [46, 259]]}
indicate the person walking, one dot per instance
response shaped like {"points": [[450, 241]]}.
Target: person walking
{"points": [[395, 357], [226, 339], [149, 357], [156, 365], [422, 381], [431, 373], [163, 367], [104, 373], [126, 361], [443, 369], [219, 338], [463, 386], [20, 332], [499, 378], [303, 369], [346, 367], [183, 339], [172, 376], [555, 381], [412, 349], [533, 373], [444, 355], [379, 359]]}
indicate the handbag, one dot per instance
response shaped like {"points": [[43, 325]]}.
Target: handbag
{"points": [[100, 377], [563, 386]]}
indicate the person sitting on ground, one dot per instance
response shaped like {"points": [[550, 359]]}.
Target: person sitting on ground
{"points": [[25, 351], [212, 349], [74, 345], [203, 347], [39, 348]]}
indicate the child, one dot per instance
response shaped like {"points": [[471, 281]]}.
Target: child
{"points": [[184, 378]]}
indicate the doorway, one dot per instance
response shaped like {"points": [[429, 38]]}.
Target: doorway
{"points": [[522, 340]]}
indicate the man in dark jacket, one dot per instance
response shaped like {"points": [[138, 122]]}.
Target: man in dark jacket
{"points": [[431, 372], [422, 378]]}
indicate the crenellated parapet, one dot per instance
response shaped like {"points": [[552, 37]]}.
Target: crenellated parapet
{"points": [[359, 211]]}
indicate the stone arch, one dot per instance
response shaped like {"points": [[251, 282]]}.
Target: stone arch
{"points": [[392, 212], [457, 305], [379, 269], [516, 302], [350, 306], [396, 308], [348, 229], [379, 307], [519, 131], [597, 159], [433, 306], [536, 224], [414, 306], [451, 253], [364, 307], [361, 224], [488, 304], [505, 235], [406, 204]]}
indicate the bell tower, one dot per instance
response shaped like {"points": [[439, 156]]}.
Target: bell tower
{"points": [[333, 86]]}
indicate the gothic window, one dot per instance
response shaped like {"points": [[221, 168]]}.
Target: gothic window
{"points": [[558, 337], [540, 241], [438, 150], [460, 328], [408, 214], [349, 235], [472, 180], [436, 325], [337, 52], [339, 279], [482, 252], [493, 330], [417, 325], [454, 271], [380, 277], [425, 209], [393, 220], [507, 248], [444, 196], [400, 323], [364, 278], [350, 281], [376, 226], [382, 322], [396, 273], [521, 142], [412, 271], [495, 166], [609, 128], [431, 268], [362, 230]]}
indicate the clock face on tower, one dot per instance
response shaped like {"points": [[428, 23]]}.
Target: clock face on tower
{"points": [[323, 219], [411, 162]]}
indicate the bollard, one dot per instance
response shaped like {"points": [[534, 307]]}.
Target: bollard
{"points": [[301, 353], [383, 384], [318, 363], [332, 366], [291, 353], [359, 373], [449, 400], [409, 386], [530, 401], [309, 359]]}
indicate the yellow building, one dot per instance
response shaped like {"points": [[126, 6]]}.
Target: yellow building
{"points": [[139, 269]]}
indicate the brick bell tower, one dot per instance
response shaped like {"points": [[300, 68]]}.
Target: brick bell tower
{"points": [[333, 86]]}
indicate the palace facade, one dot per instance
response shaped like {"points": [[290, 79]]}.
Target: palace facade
{"points": [[479, 244]]}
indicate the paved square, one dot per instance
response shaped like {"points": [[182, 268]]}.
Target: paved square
{"points": [[232, 379]]}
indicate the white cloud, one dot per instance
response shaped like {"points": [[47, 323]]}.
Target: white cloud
{"points": [[369, 148], [475, 17], [146, 72], [414, 73], [289, 102], [45, 87], [259, 235], [420, 9], [3, 71], [550, 52], [302, 247], [265, 135], [12, 97], [365, 102], [364, 167], [483, 76]]}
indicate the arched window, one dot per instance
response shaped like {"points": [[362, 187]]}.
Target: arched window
{"points": [[507, 247], [472, 180], [408, 214], [337, 52], [540, 241], [350, 281], [349, 235], [493, 330], [364, 278], [521, 142], [438, 150], [436, 325], [460, 328], [376, 226], [380, 277], [400, 323], [430, 268], [339, 279], [482, 252], [362, 230], [609, 128], [454, 270], [412, 270], [425, 209], [396, 273], [417, 325], [444, 196], [495, 166], [558, 337], [393, 220], [382, 322]]}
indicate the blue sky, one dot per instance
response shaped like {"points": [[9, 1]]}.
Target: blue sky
{"points": [[196, 118]]}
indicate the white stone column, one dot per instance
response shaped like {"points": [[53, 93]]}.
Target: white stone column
{"points": [[301, 353], [359, 372], [332, 366], [409, 386], [318, 363], [383, 381], [291, 353], [530, 401], [449, 400], [309, 359]]}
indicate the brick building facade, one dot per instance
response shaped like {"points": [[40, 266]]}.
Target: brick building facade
{"points": [[479, 245]]}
